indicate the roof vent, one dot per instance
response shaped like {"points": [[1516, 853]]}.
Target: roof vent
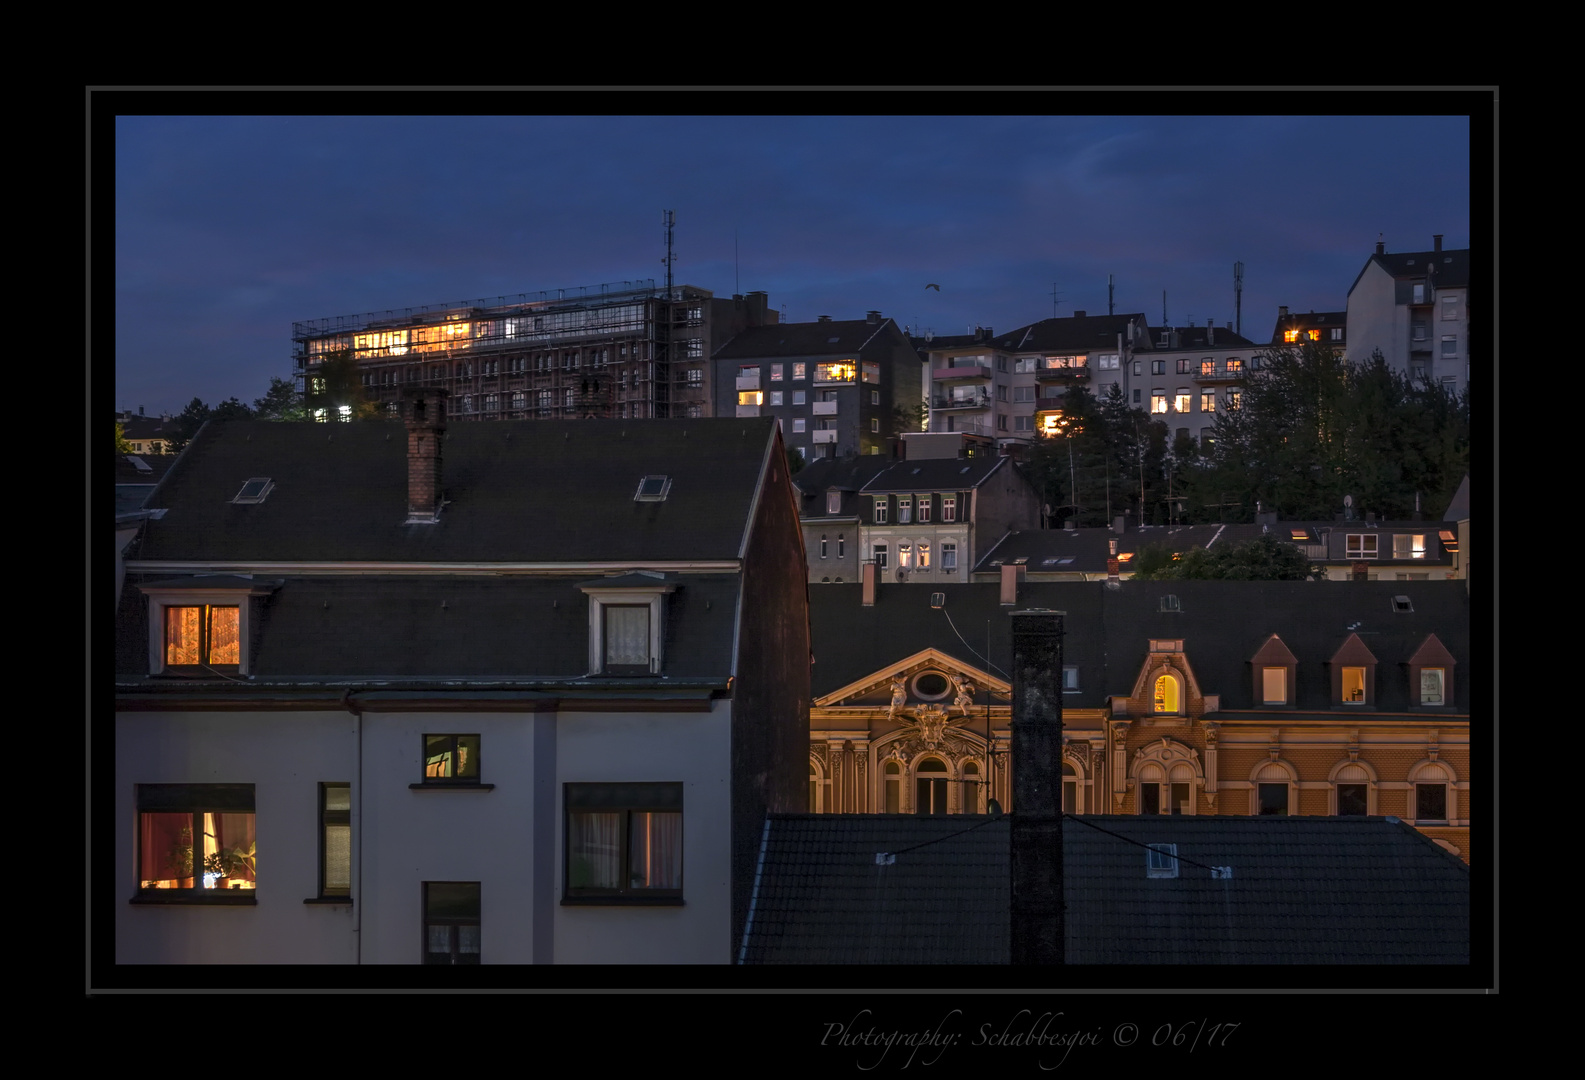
{"points": [[1402, 603], [652, 489]]}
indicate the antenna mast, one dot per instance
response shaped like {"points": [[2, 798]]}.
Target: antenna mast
{"points": [[1111, 285], [670, 222], [1238, 298], [1055, 299]]}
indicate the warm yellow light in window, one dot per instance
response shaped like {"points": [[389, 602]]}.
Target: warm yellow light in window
{"points": [[1354, 685], [750, 397], [1166, 694], [1315, 335], [1290, 336]]}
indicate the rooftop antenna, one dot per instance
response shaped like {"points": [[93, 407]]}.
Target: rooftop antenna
{"points": [[737, 283], [1238, 298], [1164, 322], [1111, 287], [1055, 299]]}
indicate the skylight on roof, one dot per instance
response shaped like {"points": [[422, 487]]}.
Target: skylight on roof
{"points": [[255, 490], [1402, 603], [652, 489]]}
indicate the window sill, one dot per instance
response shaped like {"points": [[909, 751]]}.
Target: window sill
{"points": [[464, 786], [197, 898], [330, 901], [621, 901]]}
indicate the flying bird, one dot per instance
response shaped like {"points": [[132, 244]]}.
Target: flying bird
{"points": [[937, 288]]}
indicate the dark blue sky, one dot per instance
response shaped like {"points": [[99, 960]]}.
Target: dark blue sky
{"points": [[228, 229]]}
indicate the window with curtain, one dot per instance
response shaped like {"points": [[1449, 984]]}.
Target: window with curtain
{"points": [[624, 843], [197, 838]]}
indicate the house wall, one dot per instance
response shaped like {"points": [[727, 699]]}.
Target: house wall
{"points": [[285, 756], [832, 567]]}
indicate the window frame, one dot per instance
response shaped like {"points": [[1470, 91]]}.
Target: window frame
{"points": [[163, 596], [949, 508], [833, 502], [474, 919], [882, 509], [333, 818], [1355, 546], [197, 801], [476, 770], [625, 799], [601, 597]]}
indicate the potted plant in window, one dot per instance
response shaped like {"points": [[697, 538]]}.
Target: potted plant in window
{"points": [[232, 867], [179, 859]]}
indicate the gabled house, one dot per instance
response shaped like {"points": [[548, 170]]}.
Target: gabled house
{"points": [[1329, 328], [837, 387], [401, 693], [1414, 307]]}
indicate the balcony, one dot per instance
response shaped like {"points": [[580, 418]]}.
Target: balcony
{"points": [[748, 382], [825, 408], [824, 437], [1061, 374], [1218, 374], [748, 410], [978, 399], [960, 374]]}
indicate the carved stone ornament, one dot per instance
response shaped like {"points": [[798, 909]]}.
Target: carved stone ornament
{"points": [[933, 725], [899, 697], [964, 700]]}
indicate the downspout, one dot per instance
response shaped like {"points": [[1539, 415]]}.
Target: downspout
{"points": [[357, 908]]}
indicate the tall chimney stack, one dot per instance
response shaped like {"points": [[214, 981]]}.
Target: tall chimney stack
{"points": [[1011, 572], [424, 412], [869, 573], [1113, 568], [1037, 916]]}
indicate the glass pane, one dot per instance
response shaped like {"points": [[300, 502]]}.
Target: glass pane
{"points": [[1351, 800], [229, 859], [182, 634], [338, 796], [467, 942], [627, 634], [1431, 801], [1070, 797], [439, 759], [338, 860], [455, 900], [1274, 799], [1150, 798], [1354, 684], [894, 795], [224, 636], [1274, 682], [165, 851], [468, 757], [1430, 686], [594, 851], [440, 940], [655, 850]]}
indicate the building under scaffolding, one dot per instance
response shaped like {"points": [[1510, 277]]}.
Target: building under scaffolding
{"points": [[628, 350]]}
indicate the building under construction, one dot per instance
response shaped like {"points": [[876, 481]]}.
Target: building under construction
{"points": [[628, 350]]}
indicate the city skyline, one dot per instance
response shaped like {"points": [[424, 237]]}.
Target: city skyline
{"points": [[229, 229]]}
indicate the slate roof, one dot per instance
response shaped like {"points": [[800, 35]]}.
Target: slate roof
{"points": [[1312, 320], [1304, 890], [1195, 337], [1222, 625], [936, 474], [490, 629], [1451, 267], [517, 491], [835, 338], [1090, 548], [1071, 334], [847, 474]]}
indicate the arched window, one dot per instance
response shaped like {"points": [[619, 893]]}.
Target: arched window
{"points": [[1432, 795], [1353, 790], [930, 787], [1276, 790], [1070, 789], [816, 785], [1148, 786], [1169, 699], [894, 788], [970, 802]]}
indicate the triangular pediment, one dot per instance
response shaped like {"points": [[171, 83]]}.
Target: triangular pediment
{"points": [[1432, 653], [1353, 652], [1274, 653], [879, 683]]}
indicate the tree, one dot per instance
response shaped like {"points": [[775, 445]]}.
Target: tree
{"points": [[795, 461], [187, 423], [336, 387], [122, 446], [1264, 558], [231, 409], [280, 402]]}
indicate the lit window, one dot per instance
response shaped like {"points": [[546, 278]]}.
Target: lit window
{"points": [[1290, 336], [750, 397], [695, 376], [798, 370], [1274, 686], [1313, 335], [1432, 686], [1207, 401], [335, 840], [203, 635], [1361, 546], [1235, 366], [1166, 695], [1180, 400], [839, 371], [1207, 367], [1408, 546], [451, 922], [924, 556], [219, 864], [451, 759], [1233, 398], [624, 843], [905, 556], [1354, 685], [1158, 401]]}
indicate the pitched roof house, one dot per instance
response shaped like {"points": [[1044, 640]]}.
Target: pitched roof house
{"points": [[503, 693]]}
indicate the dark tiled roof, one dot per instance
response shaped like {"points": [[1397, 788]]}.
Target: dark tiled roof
{"points": [[1044, 549], [517, 491], [154, 467], [1458, 509], [1222, 625], [837, 337], [1308, 321], [1070, 334], [1451, 267], [1304, 890], [323, 629], [1195, 337], [846, 474], [937, 474]]}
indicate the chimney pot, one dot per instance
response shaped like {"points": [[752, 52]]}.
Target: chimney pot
{"points": [[868, 572], [1282, 312], [1080, 314], [1381, 248], [1436, 242], [872, 317], [824, 318]]}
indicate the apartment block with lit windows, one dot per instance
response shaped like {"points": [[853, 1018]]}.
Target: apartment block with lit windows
{"points": [[622, 351], [1191, 374]]}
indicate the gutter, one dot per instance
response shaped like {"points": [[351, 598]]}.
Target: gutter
{"points": [[212, 566]]}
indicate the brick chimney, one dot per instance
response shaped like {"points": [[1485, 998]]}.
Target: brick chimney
{"points": [[1436, 242], [872, 317], [1112, 567], [1037, 922], [424, 413], [1080, 314], [1012, 573], [869, 573], [1381, 248]]}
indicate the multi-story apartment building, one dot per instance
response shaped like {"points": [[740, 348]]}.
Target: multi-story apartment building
{"points": [[837, 387], [1009, 386], [621, 351], [1194, 373], [1414, 307]]}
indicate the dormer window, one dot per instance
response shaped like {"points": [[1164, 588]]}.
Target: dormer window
{"points": [[833, 502], [199, 626], [1275, 667], [1354, 675], [1431, 675], [626, 620], [1168, 695]]}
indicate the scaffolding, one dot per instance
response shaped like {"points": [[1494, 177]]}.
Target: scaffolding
{"points": [[599, 351]]}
